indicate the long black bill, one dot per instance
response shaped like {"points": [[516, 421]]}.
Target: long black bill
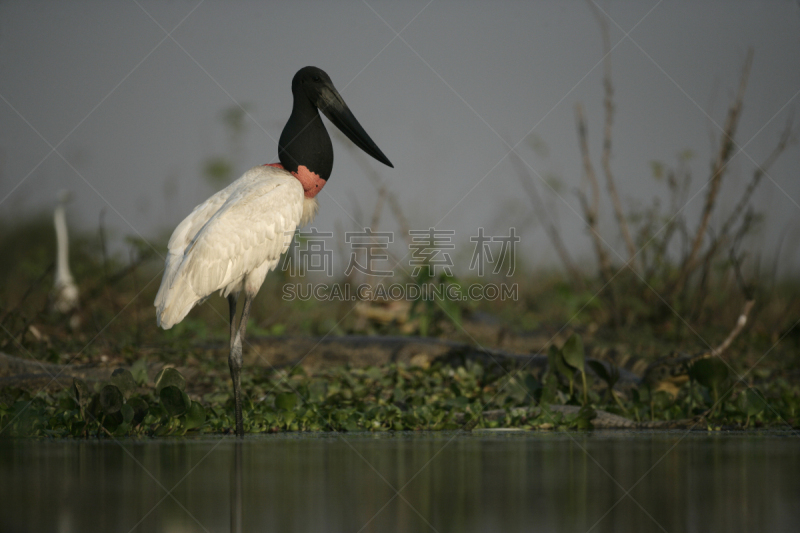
{"points": [[333, 106]]}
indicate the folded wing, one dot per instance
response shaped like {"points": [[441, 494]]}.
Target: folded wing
{"points": [[236, 236]]}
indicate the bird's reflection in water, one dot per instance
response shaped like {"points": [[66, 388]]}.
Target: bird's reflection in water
{"points": [[236, 488]]}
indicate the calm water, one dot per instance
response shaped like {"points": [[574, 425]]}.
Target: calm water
{"points": [[504, 482]]}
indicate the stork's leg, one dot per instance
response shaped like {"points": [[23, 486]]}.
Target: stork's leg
{"points": [[232, 299], [235, 363]]}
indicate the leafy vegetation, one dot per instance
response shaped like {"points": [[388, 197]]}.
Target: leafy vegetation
{"points": [[396, 397]]}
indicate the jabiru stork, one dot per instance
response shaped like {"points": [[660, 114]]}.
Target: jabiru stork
{"points": [[232, 240]]}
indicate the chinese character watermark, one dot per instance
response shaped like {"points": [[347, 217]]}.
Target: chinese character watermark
{"points": [[426, 251], [483, 252], [309, 254], [371, 242]]}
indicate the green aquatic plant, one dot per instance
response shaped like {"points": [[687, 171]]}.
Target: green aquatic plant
{"points": [[573, 355], [610, 375], [394, 397], [711, 373], [117, 407], [751, 403]]}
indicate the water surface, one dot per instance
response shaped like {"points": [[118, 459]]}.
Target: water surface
{"points": [[464, 482]]}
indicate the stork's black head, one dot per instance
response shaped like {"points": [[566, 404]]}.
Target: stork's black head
{"points": [[304, 140], [309, 81]]}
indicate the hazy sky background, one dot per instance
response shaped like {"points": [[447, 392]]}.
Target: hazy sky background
{"points": [[131, 94]]}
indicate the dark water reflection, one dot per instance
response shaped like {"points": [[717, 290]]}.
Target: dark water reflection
{"points": [[447, 482]]}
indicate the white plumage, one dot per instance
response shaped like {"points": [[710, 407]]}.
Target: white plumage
{"points": [[230, 241], [65, 292]]}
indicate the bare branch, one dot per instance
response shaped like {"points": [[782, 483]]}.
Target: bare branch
{"points": [[541, 213], [590, 208], [747, 290], [740, 323], [608, 104], [397, 211], [376, 212], [758, 173], [35, 285], [384, 195], [718, 169]]}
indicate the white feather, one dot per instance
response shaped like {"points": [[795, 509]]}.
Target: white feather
{"points": [[231, 240], [65, 292]]}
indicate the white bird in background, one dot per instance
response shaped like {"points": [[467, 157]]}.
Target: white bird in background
{"points": [[230, 241], [65, 292]]}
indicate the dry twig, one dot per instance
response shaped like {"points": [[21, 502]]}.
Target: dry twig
{"points": [[546, 221], [758, 173], [740, 323], [608, 104], [591, 207], [718, 169]]}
